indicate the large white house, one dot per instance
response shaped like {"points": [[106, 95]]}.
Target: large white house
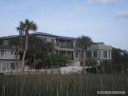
{"points": [[62, 46]]}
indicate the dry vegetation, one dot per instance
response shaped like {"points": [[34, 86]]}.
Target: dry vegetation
{"points": [[61, 85]]}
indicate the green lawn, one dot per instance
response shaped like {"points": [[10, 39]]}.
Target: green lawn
{"points": [[62, 85]]}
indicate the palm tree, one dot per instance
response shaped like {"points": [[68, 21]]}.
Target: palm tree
{"points": [[24, 28], [84, 42]]}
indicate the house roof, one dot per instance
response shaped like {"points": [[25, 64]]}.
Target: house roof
{"points": [[9, 37], [57, 36], [98, 43], [42, 33], [66, 38]]}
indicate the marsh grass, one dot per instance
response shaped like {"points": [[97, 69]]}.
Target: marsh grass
{"points": [[61, 85]]}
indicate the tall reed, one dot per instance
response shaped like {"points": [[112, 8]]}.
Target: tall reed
{"points": [[61, 85]]}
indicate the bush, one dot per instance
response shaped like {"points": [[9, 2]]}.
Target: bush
{"points": [[108, 66], [48, 61]]}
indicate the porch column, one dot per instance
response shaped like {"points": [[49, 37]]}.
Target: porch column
{"points": [[107, 54], [110, 54]]}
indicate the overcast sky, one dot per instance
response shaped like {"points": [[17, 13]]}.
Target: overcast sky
{"points": [[102, 20]]}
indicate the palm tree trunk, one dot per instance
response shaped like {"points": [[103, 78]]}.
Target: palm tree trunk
{"points": [[23, 58], [34, 61], [84, 57], [16, 58]]}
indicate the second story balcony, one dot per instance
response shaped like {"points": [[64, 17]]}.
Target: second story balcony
{"points": [[64, 45]]}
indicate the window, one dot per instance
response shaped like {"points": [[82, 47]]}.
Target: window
{"points": [[105, 54], [12, 52], [76, 54], [12, 66], [109, 54], [44, 40], [95, 54], [2, 53], [52, 41], [88, 54], [99, 54]]}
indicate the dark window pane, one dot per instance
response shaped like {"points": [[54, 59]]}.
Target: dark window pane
{"points": [[95, 54], [88, 54], [105, 54], [52, 41], [76, 54], [44, 40]]}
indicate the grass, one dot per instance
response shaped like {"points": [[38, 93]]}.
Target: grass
{"points": [[61, 85]]}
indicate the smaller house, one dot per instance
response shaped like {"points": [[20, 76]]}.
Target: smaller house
{"points": [[100, 51]]}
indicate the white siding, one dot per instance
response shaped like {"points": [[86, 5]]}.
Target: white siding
{"points": [[7, 54]]}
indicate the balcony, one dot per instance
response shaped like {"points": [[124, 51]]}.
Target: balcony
{"points": [[64, 45]]}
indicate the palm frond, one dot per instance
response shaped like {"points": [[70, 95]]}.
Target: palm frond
{"points": [[84, 42]]}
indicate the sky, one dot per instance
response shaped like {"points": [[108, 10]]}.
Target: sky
{"points": [[102, 20]]}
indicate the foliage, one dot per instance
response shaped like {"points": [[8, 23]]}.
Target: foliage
{"points": [[35, 46], [24, 28], [84, 42], [108, 66], [48, 61], [118, 64], [48, 47], [41, 52], [120, 57], [43, 84], [91, 62]]}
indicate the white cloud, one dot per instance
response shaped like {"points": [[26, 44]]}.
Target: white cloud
{"points": [[122, 14], [105, 2], [80, 8]]}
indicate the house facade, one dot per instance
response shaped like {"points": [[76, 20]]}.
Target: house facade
{"points": [[65, 46]]}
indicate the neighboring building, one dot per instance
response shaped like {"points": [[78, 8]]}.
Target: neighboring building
{"points": [[7, 59], [100, 51], [65, 46]]}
